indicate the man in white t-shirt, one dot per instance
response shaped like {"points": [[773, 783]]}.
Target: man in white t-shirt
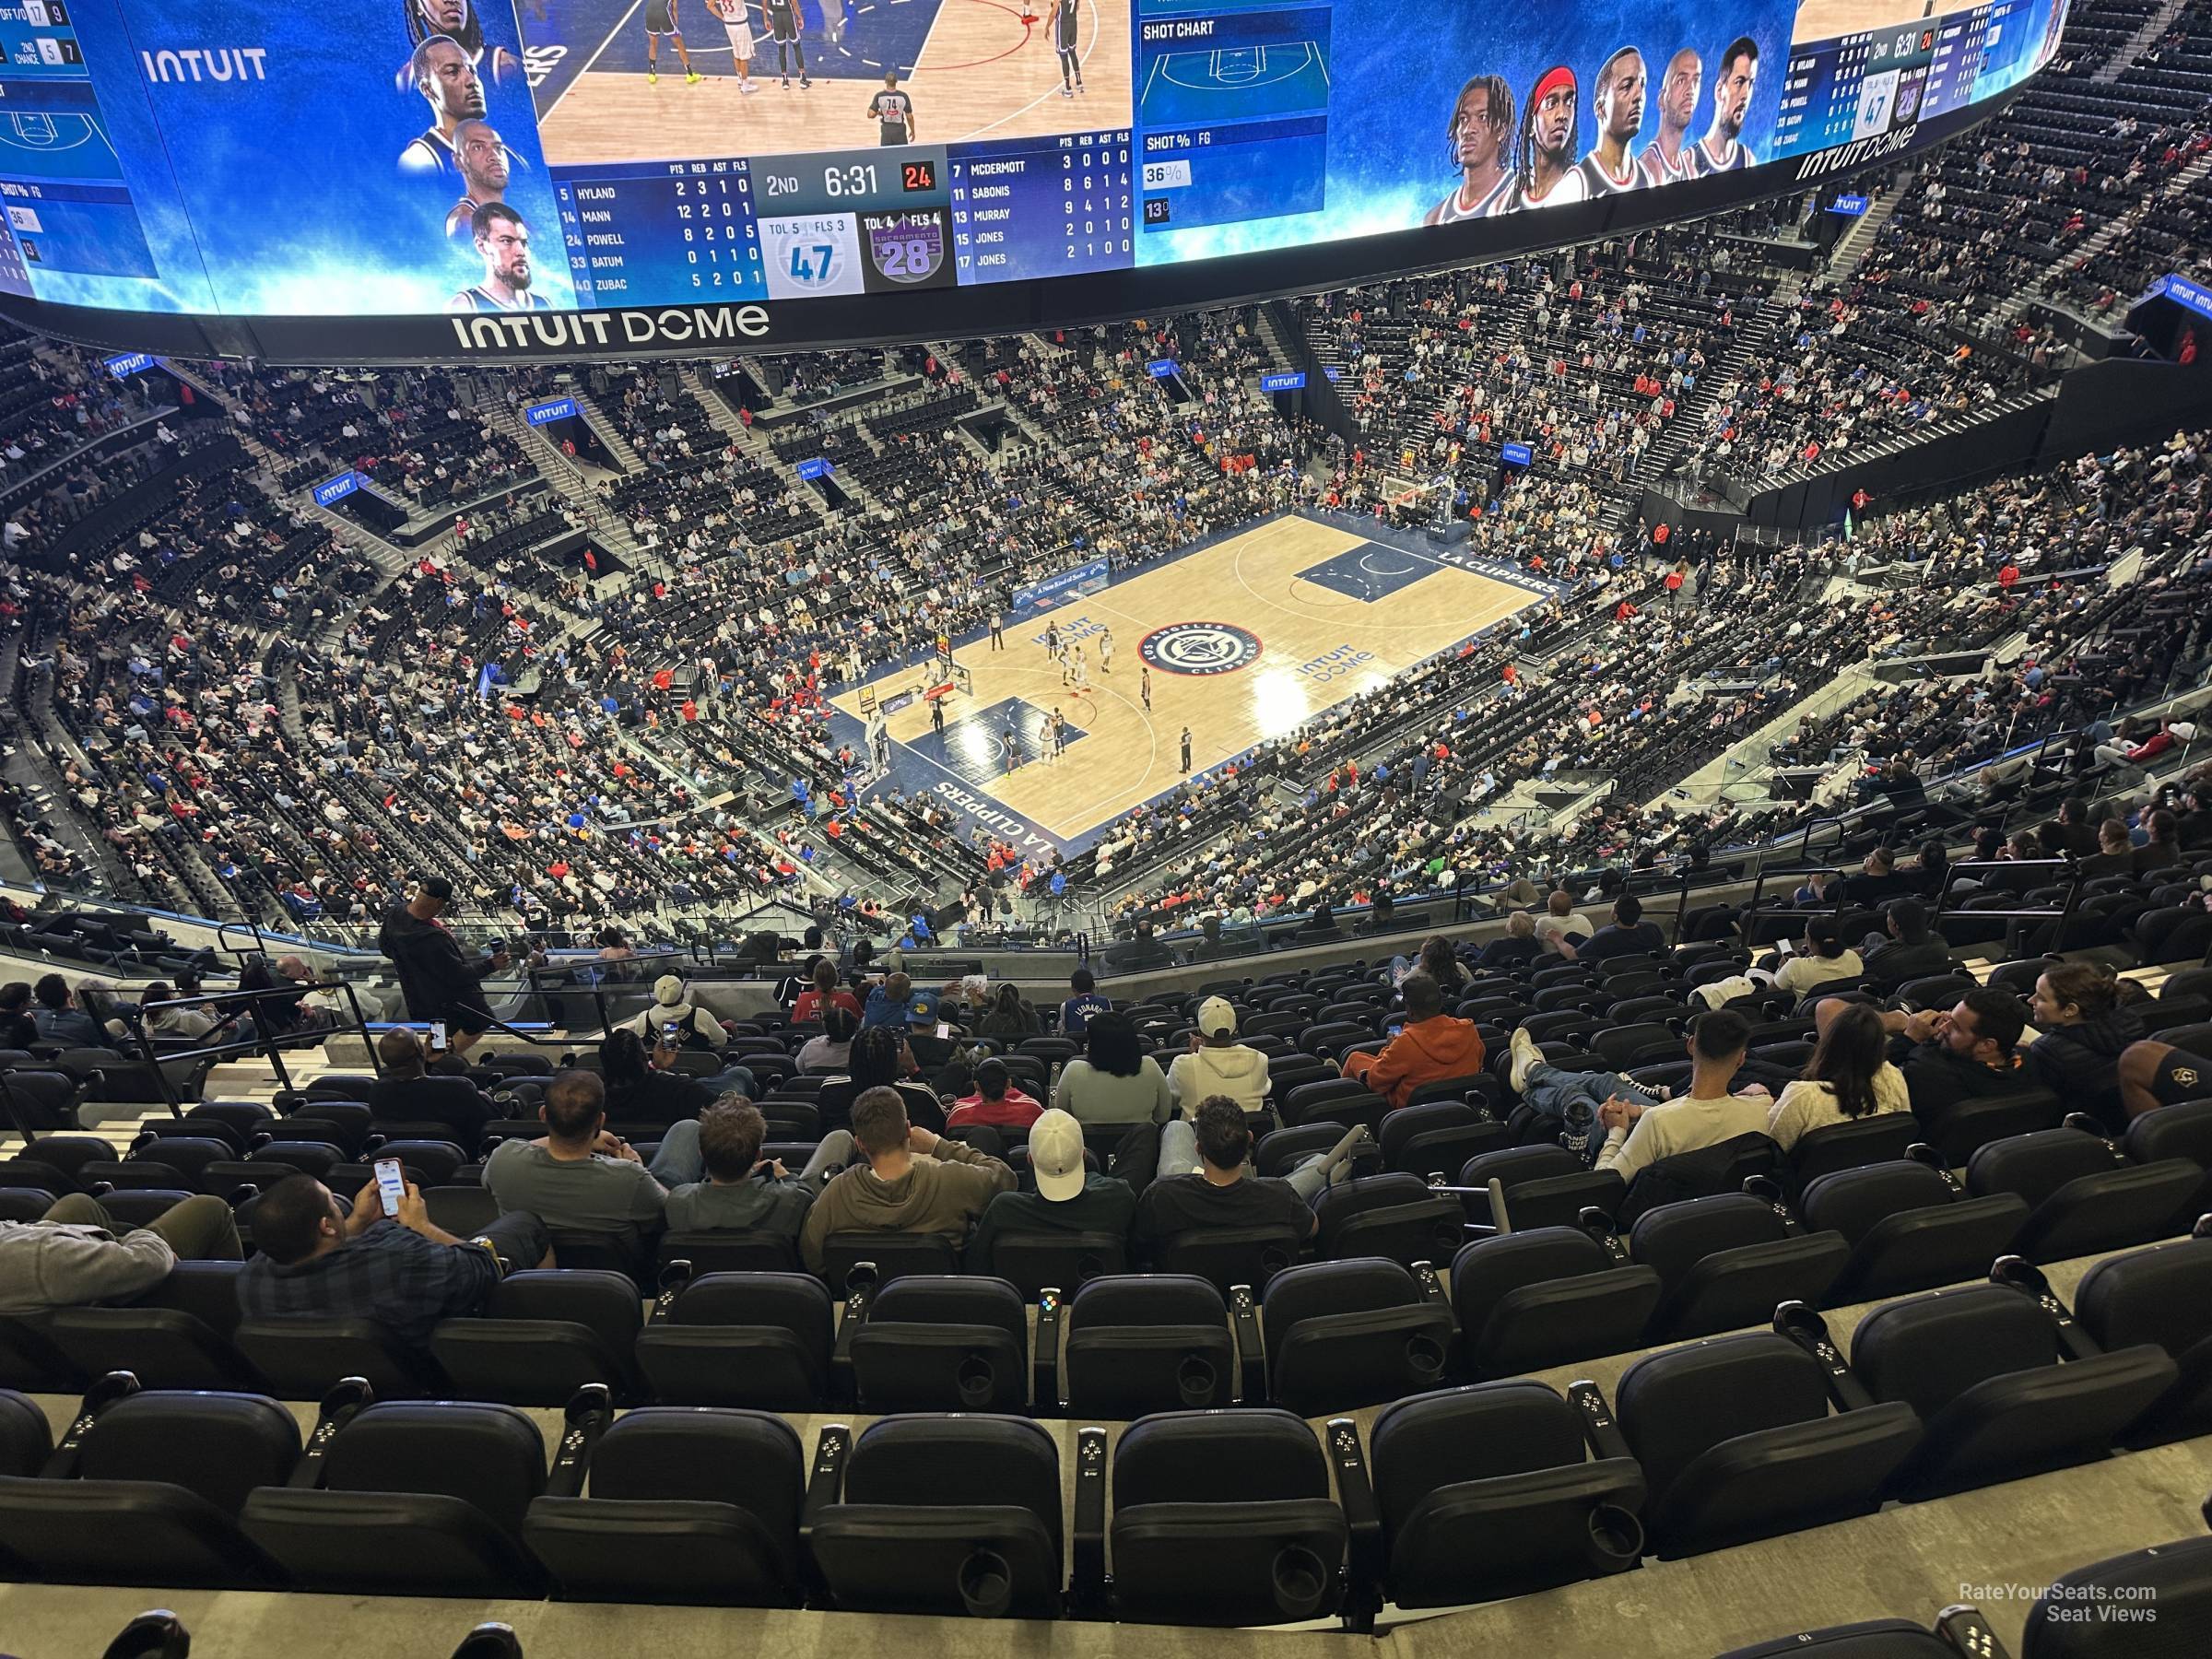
{"points": [[1561, 918], [1637, 1134]]}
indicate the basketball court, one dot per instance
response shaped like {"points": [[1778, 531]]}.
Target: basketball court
{"points": [[976, 69], [1246, 637]]}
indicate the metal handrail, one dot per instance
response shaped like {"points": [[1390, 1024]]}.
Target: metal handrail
{"points": [[263, 1042]]}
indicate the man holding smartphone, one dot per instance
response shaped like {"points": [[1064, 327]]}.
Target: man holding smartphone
{"points": [[317, 1261]]}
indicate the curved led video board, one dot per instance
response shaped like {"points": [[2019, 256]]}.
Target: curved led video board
{"points": [[404, 180]]}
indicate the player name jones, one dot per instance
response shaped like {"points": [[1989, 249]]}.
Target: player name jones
{"points": [[1186, 28], [208, 63]]}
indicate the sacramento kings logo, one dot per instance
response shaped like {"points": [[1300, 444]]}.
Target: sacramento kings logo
{"points": [[1199, 648], [905, 247]]}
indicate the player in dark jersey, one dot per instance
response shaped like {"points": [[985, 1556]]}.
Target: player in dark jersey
{"points": [[1672, 156], [1481, 118], [660, 19], [482, 159], [1617, 102], [1544, 168], [894, 110], [1723, 148], [457, 20], [785, 27], [1062, 24], [504, 241], [447, 79]]}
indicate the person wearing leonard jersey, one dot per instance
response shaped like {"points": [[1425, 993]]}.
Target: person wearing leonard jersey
{"points": [[1723, 148], [1544, 166], [660, 19], [894, 111], [1477, 133], [738, 23], [1061, 23], [503, 241], [784, 27], [1670, 157], [482, 158], [1610, 167], [443, 73]]}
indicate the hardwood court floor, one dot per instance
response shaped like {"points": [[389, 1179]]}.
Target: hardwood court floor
{"points": [[982, 73], [1318, 645], [1827, 19]]}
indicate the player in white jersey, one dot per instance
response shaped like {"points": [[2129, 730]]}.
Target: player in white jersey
{"points": [[1482, 116], [1671, 157], [738, 23], [1723, 148], [1618, 101], [1543, 169]]}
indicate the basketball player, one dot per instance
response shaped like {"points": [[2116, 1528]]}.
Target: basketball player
{"points": [[738, 23], [1052, 641], [1544, 166], [785, 27], [447, 80], [1144, 686], [482, 159], [894, 111], [1061, 23], [1670, 158], [1477, 133], [660, 19], [1059, 733], [1723, 148], [504, 241], [1079, 672], [457, 20], [1186, 751], [1610, 167], [1105, 650]]}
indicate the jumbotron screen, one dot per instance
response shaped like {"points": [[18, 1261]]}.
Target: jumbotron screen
{"points": [[416, 179]]}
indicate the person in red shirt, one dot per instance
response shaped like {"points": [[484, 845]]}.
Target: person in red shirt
{"points": [[997, 1104], [825, 992]]}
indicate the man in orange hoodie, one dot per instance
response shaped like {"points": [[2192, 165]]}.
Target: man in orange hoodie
{"points": [[1434, 1045]]}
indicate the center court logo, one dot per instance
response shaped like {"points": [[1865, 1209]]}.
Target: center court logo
{"points": [[1199, 648]]}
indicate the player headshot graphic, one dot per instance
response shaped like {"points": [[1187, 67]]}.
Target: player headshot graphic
{"points": [[1617, 102], [482, 158], [443, 74], [738, 23], [457, 20], [660, 19], [1481, 118], [1670, 156], [783, 29], [504, 241], [1543, 167], [1723, 148], [894, 110], [1062, 24]]}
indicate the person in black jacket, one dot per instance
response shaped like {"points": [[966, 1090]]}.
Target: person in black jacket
{"points": [[639, 1090], [2084, 1032], [437, 980], [1906, 949]]}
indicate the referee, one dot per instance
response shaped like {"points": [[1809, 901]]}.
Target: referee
{"points": [[894, 111]]}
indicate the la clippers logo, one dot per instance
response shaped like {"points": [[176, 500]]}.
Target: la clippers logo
{"points": [[1199, 648]]}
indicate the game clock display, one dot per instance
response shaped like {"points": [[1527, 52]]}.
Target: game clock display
{"points": [[400, 159]]}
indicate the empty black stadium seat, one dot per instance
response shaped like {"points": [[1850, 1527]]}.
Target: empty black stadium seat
{"points": [[685, 1506], [2161, 1295], [2149, 1604], [1485, 1492], [175, 1335], [2180, 1131], [731, 1251], [1737, 1442], [1437, 1136], [1397, 1217], [2082, 1197], [946, 1516], [1550, 1296], [1980, 1367], [751, 1339], [416, 1499], [943, 1343], [893, 1254], [1957, 1134], [154, 1499], [1033, 1261], [1342, 1335], [1142, 1342], [301, 1358], [1229, 1257], [1224, 1518], [26, 1440], [1544, 1186], [1728, 1261], [543, 1335], [1880, 1137], [1907, 1228]]}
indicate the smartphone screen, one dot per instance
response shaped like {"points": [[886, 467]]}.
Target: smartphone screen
{"points": [[672, 1034], [438, 1033], [943, 1029], [391, 1185]]}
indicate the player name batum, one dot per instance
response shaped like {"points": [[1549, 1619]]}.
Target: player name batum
{"points": [[1186, 28], [208, 63]]}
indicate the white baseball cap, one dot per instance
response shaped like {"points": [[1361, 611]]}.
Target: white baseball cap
{"points": [[1217, 1019], [1057, 1156]]}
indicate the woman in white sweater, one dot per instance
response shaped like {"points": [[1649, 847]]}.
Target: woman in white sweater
{"points": [[1822, 958], [1848, 1077]]}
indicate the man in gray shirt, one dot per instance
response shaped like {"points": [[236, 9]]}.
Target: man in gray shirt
{"points": [[577, 1177], [77, 1254], [739, 1192]]}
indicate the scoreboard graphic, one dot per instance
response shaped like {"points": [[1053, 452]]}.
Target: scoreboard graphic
{"points": [[258, 160]]}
